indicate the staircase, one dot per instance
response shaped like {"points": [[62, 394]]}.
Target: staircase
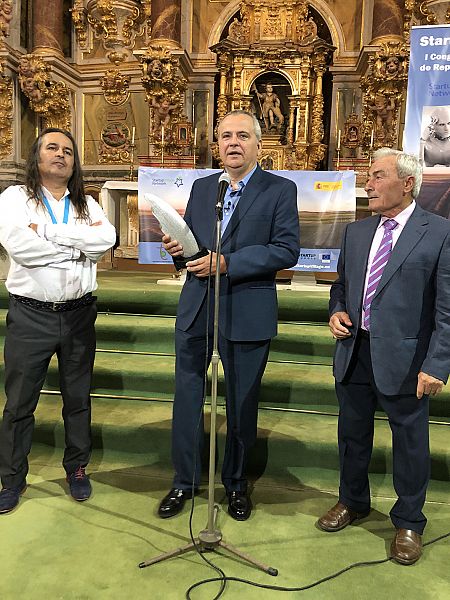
{"points": [[133, 389]]}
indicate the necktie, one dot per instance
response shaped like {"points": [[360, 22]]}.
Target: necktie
{"points": [[380, 260], [230, 205]]}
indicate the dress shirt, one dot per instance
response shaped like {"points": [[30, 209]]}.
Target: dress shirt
{"points": [[402, 219], [57, 263], [230, 202]]}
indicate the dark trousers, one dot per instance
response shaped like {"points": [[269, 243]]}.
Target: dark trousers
{"points": [[243, 364], [408, 420], [32, 337]]}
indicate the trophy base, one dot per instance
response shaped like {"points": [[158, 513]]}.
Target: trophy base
{"points": [[180, 261]]}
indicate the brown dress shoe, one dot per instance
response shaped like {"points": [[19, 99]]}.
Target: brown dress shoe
{"points": [[406, 547], [339, 517]]}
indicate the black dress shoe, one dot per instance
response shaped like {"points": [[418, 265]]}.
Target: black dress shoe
{"points": [[239, 505], [173, 503]]}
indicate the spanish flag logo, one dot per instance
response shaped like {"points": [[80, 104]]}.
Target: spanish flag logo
{"points": [[327, 186]]}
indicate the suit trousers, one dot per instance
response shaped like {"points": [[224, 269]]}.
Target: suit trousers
{"points": [[243, 364], [408, 419], [32, 338]]}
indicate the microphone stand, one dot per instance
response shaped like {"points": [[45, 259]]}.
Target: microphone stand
{"points": [[211, 537]]}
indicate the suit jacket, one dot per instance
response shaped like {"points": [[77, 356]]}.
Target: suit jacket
{"points": [[410, 312], [261, 238]]}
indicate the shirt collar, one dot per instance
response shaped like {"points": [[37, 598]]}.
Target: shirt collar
{"points": [[243, 182], [50, 196], [402, 217]]}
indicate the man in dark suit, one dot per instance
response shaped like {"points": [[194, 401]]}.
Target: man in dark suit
{"points": [[389, 312], [260, 236]]}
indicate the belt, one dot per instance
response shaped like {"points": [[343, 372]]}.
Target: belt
{"points": [[56, 306], [364, 333]]}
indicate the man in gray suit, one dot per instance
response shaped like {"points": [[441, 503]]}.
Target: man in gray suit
{"points": [[389, 312]]}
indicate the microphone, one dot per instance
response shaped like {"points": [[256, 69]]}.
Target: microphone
{"points": [[224, 182]]}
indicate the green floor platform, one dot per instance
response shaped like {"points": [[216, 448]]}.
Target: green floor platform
{"points": [[54, 548]]}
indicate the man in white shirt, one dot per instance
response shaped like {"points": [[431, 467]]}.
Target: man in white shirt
{"points": [[54, 236], [389, 315]]}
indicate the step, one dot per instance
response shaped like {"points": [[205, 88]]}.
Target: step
{"points": [[138, 293], [288, 385], [288, 443]]}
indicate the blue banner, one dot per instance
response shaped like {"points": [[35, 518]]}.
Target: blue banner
{"points": [[427, 120], [428, 82]]}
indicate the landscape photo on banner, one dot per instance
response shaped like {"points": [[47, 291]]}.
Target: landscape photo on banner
{"points": [[326, 202]]}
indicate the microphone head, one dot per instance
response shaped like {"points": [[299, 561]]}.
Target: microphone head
{"points": [[225, 177]]}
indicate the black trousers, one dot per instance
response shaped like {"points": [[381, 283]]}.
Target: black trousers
{"points": [[408, 419], [32, 338], [243, 364]]}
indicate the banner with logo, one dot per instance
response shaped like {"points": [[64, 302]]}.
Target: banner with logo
{"points": [[427, 120], [326, 203]]}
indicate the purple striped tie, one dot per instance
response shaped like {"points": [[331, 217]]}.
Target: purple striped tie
{"points": [[380, 260]]}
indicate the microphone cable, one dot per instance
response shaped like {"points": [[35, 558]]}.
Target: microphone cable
{"points": [[223, 578], [279, 588]]}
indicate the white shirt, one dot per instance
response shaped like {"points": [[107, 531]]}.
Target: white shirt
{"points": [[402, 219], [58, 262]]}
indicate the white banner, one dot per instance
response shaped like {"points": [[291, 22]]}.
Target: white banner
{"points": [[326, 202]]}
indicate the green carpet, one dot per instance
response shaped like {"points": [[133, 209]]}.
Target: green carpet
{"points": [[54, 548]]}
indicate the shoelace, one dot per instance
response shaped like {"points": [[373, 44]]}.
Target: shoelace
{"points": [[79, 473]]}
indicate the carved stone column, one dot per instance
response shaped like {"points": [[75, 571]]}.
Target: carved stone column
{"points": [[48, 27], [166, 19], [387, 20], [222, 99]]}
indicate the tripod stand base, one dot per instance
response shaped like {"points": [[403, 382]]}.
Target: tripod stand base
{"points": [[202, 544]]}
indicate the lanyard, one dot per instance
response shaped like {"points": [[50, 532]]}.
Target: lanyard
{"points": [[52, 214]]}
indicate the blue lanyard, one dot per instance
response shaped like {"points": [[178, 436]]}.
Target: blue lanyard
{"points": [[52, 214]]}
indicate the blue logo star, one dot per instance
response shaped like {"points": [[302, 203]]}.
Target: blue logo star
{"points": [[178, 182]]}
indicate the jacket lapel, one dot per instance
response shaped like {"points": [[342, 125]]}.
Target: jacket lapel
{"points": [[414, 230], [254, 187]]}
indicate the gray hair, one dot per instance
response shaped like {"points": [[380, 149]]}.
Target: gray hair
{"points": [[408, 165], [256, 125]]}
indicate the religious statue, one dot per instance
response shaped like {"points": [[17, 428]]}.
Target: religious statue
{"points": [[162, 112], [6, 13], [269, 103], [392, 67], [384, 108]]}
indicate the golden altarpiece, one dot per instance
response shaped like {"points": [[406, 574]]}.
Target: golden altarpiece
{"points": [[272, 63], [146, 81]]}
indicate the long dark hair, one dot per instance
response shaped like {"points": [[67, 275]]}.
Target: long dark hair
{"points": [[75, 184]]}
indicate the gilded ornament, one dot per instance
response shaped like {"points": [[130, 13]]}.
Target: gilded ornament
{"points": [[6, 112], [384, 89], [164, 89], [6, 13], [115, 87], [117, 25], [80, 22], [48, 98]]}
